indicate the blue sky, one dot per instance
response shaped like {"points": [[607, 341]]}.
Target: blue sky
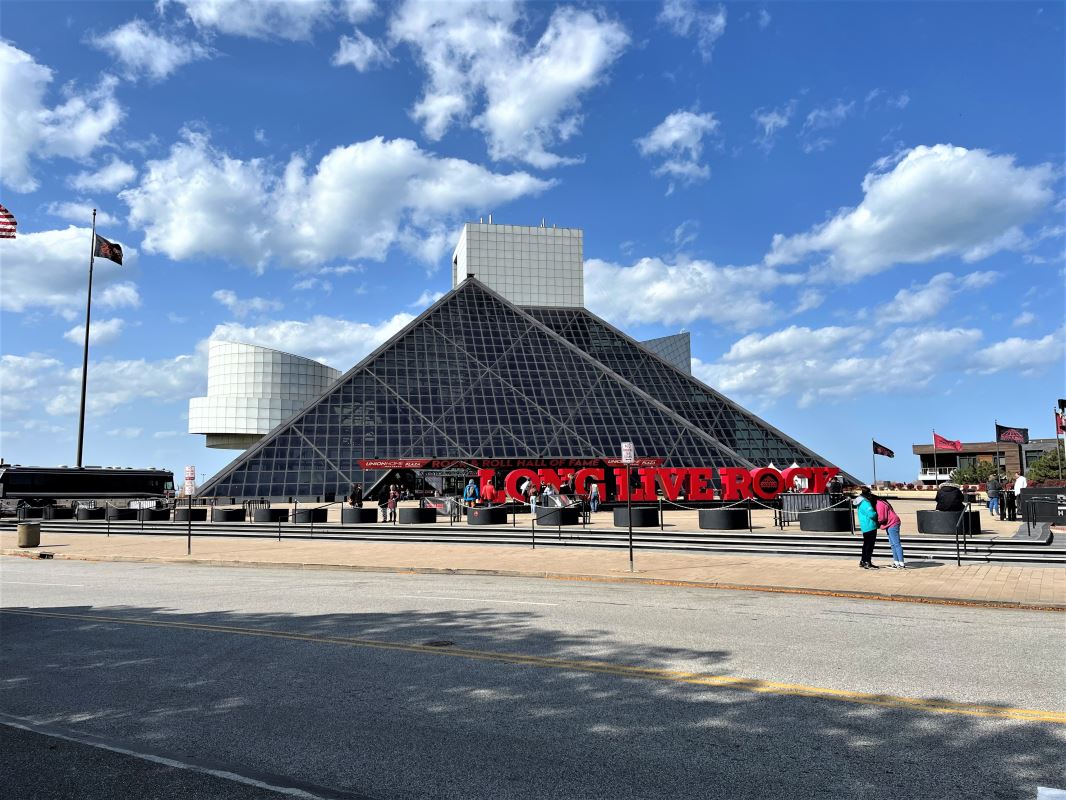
{"points": [[856, 209]]}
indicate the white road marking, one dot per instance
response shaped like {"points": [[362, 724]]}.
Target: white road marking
{"points": [[474, 599], [36, 583]]}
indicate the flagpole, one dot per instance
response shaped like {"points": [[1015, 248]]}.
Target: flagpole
{"points": [[1059, 455], [997, 448], [873, 460], [85, 353], [936, 472]]}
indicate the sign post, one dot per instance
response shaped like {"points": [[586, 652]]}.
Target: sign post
{"points": [[628, 457]]}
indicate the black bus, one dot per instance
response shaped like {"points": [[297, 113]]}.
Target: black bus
{"points": [[41, 486]]}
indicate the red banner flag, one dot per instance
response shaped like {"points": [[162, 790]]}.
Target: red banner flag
{"points": [[1060, 423], [7, 224], [940, 443]]}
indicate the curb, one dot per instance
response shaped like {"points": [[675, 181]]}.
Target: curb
{"points": [[558, 576]]}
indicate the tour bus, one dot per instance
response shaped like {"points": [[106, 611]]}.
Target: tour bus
{"points": [[42, 486]]}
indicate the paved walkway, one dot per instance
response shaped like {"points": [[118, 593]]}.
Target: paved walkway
{"points": [[993, 584]]}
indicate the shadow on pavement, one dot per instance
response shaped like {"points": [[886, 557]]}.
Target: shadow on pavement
{"points": [[394, 723]]}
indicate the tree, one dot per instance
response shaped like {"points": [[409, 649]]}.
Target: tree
{"points": [[978, 472], [1047, 467]]}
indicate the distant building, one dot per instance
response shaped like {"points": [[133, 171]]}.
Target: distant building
{"points": [[934, 471], [251, 390]]}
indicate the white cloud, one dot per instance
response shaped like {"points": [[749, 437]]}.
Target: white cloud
{"points": [[1026, 354], [764, 18], [358, 202], [80, 212], [50, 268], [120, 295], [142, 52], [770, 121], [809, 299], [126, 433], [311, 284], [24, 380], [688, 18], [880, 99], [925, 301], [166, 434], [30, 129], [361, 52], [1023, 319], [115, 383], [821, 119], [680, 292], [831, 364], [472, 50], [934, 202], [109, 178], [678, 140], [686, 233], [426, 299], [339, 342], [103, 331], [359, 10], [295, 20], [243, 306]]}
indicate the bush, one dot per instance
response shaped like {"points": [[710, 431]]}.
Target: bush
{"points": [[1046, 468], [976, 473]]}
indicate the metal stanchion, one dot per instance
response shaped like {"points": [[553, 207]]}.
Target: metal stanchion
{"points": [[661, 514], [188, 530]]}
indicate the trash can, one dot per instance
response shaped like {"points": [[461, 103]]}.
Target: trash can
{"points": [[29, 534]]}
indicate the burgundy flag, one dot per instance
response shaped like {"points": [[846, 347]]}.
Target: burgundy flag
{"points": [[7, 224], [108, 250], [881, 450], [1014, 435], [940, 443]]}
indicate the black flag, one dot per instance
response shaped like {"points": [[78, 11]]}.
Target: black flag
{"points": [[108, 250], [1013, 435], [881, 450]]}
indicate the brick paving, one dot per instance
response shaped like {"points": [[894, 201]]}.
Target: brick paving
{"points": [[935, 580]]}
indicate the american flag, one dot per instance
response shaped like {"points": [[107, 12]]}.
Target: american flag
{"points": [[7, 224]]}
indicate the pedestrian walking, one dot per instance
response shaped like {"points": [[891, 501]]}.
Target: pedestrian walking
{"points": [[888, 519], [594, 497], [867, 508], [355, 497], [489, 495], [993, 487], [470, 493], [532, 487]]}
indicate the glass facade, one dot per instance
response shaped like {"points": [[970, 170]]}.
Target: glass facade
{"points": [[477, 377]]}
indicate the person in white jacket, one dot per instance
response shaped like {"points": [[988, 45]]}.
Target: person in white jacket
{"points": [[1020, 483]]}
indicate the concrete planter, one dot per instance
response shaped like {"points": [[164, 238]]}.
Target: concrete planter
{"points": [[90, 513], [270, 515], [153, 514], [827, 520], [228, 515], [554, 517], [194, 514], [417, 516], [497, 515], [724, 519], [59, 512], [121, 514], [308, 515], [949, 522], [643, 517], [359, 516]]}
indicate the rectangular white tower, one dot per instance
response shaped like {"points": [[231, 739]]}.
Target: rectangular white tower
{"points": [[530, 266]]}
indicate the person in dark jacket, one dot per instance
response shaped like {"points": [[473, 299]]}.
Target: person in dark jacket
{"points": [[993, 488], [949, 497], [356, 496]]}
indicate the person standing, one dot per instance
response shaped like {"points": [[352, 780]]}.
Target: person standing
{"points": [[355, 497], [489, 495], [867, 508], [993, 488], [594, 497], [1020, 482], [394, 499], [470, 493], [890, 521]]}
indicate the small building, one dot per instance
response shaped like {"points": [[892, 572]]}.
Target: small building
{"points": [[935, 467]]}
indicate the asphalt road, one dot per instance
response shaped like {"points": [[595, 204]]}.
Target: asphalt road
{"points": [[322, 682]]}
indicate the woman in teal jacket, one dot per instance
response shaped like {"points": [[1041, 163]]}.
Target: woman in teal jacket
{"points": [[868, 524]]}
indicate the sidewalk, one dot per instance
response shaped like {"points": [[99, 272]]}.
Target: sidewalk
{"points": [[924, 581]]}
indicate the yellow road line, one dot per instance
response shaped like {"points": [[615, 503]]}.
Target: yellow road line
{"points": [[620, 670]]}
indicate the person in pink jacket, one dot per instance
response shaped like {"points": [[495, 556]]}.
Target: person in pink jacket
{"points": [[888, 519]]}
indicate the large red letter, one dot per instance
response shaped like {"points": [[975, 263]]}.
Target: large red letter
{"points": [[766, 483], [671, 480], [583, 476], [648, 489], [736, 483], [822, 476], [621, 481], [514, 478], [701, 483]]}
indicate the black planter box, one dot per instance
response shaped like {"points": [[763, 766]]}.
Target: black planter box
{"points": [[32, 512], [270, 515], [304, 515], [153, 514], [724, 519], [359, 516], [59, 512], [417, 516], [1048, 505], [554, 517], [496, 515], [90, 513], [826, 520], [643, 517], [949, 522], [228, 515], [195, 514], [121, 514]]}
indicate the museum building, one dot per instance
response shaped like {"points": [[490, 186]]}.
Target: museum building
{"points": [[506, 370]]}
